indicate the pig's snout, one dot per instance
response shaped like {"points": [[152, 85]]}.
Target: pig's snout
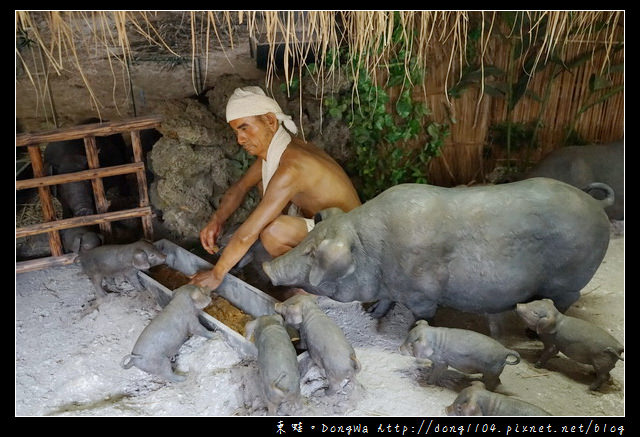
{"points": [[162, 257], [521, 310], [278, 307], [451, 410], [268, 268]]}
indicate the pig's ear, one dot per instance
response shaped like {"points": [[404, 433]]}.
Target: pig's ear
{"points": [[249, 328], [333, 260], [140, 260], [326, 213], [471, 409], [546, 325]]}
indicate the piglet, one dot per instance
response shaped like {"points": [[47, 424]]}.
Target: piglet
{"points": [[577, 339], [464, 350], [161, 339], [119, 260], [277, 360], [326, 343], [477, 401]]}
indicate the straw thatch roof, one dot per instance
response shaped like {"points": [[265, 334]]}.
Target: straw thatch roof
{"points": [[366, 35]]}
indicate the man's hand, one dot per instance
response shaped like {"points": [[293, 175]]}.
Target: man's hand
{"points": [[209, 234], [206, 279]]}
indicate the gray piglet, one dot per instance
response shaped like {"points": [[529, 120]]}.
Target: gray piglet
{"points": [[577, 339], [161, 339], [277, 360], [476, 401], [119, 260], [327, 345], [464, 350]]}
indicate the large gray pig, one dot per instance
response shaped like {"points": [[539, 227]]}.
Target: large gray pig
{"points": [[476, 249], [581, 165]]}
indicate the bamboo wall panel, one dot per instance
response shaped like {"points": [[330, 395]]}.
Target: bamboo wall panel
{"points": [[465, 158]]}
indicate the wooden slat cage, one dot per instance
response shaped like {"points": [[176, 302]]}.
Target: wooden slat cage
{"points": [[95, 173]]}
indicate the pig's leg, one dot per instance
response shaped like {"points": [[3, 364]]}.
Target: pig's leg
{"points": [[166, 371], [437, 369], [491, 380], [380, 308], [133, 279], [196, 328], [550, 350], [602, 364], [97, 284], [334, 386]]}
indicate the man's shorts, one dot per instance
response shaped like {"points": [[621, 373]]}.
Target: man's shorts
{"points": [[310, 224], [295, 212]]}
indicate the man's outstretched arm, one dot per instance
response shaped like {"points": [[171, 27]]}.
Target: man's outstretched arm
{"points": [[280, 191]]}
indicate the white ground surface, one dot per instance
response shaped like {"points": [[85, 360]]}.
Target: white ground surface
{"points": [[69, 365]]}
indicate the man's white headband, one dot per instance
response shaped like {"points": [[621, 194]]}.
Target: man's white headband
{"points": [[251, 100]]}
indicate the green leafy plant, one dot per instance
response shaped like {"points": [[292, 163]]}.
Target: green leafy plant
{"points": [[382, 133], [600, 90], [393, 139]]}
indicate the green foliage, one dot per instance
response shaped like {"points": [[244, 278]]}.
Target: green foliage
{"points": [[600, 90], [393, 140], [380, 133], [521, 135], [293, 86]]}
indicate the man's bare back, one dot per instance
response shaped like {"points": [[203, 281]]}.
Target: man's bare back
{"points": [[322, 182]]}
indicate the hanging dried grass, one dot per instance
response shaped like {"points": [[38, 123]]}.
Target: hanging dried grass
{"points": [[366, 35]]}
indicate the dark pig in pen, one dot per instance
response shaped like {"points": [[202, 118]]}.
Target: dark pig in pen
{"points": [[69, 156]]}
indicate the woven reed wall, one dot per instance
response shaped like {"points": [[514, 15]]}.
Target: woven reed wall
{"points": [[462, 160]]}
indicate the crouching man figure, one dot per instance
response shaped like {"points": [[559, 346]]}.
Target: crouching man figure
{"points": [[296, 179]]}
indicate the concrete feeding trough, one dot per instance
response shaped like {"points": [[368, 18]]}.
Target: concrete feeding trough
{"points": [[240, 294]]}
